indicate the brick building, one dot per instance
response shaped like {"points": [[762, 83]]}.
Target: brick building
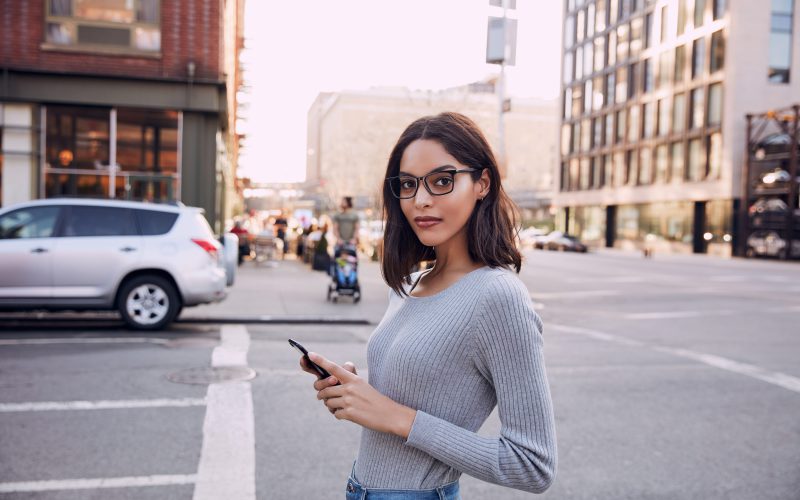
{"points": [[131, 99]]}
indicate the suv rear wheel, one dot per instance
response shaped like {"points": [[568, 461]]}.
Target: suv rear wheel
{"points": [[148, 302]]}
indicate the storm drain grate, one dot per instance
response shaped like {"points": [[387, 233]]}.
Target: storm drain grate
{"points": [[212, 375]]}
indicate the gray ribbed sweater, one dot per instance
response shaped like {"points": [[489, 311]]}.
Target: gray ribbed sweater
{"points": [[453, 356]]}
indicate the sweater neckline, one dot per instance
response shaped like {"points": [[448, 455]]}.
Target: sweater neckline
{"points": [[449, 288]]}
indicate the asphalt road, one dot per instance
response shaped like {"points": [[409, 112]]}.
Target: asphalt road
{"points": [[676, 377]]}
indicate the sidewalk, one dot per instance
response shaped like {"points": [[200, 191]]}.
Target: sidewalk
{"points": [[288, 291]]}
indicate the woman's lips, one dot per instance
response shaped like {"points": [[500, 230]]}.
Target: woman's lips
{"points": [[424, 224]]}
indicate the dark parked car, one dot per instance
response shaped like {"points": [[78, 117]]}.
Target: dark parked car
{"points": [[562, 242]]}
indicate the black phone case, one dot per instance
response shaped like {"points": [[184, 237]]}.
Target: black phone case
{"points": [[322, 372]]}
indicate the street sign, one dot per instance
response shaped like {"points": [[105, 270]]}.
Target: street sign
{"points": [[501, 41]]}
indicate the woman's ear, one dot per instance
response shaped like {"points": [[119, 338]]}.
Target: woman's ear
{"points": [[485, 183]]}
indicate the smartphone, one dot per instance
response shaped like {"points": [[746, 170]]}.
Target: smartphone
{"points": [[322, 372]]}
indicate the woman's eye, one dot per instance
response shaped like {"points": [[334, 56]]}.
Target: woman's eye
{"points": [[443, 181], [407, 185]]}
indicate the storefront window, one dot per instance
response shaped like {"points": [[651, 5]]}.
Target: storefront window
{"points": [[718, 220], [667, 221], [588, 224], [77, 149]]}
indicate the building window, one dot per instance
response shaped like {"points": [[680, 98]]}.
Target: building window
{"points": [[714, 155], [579, 63], [677, 161], [714, 104], [698, 57], [597, 172], [569, 31], [697, 160], [719, 8], [780, 41], [610, 88], [147, 154], [567, 103], [609, 129], [662, 163], [586, 136], [115, 25], [599, 53], [587, 97], [564, 177], [647, 120], [598, 97], [717, 52], [597, 132], [645, 167], [569, 65], [566, 139], [574, 174], [664, 24], [633, 124], [585, 174], [663, 116], [648, 76], [636, 37], [682, 11], [664, 68], [607, 170], [680, 64], [619, 169], [588, 58], [699, 12], [611, 47], [696, 116], [620, 126], [622, 42], [576, 138], [648, 30], [600, 16], [622, 84], [678, 112], [632, 164], [633, 80], [590, 21], [580, 29]]}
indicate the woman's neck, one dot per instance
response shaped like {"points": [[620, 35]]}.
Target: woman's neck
{"points": [[452, 257]]}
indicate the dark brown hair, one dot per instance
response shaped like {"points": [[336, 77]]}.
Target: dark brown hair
{"points": [[492, 227]]}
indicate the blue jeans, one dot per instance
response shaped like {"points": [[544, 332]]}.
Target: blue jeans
{"points": [[357, 492]]}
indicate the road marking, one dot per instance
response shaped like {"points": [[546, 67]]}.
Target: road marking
{"points": [[775, 378], [88, 484], [228, 456], [678, 314], [130, 340], [101, 405], [575, 294]]}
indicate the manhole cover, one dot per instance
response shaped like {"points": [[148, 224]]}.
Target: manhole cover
{"points": [[210, 375]]}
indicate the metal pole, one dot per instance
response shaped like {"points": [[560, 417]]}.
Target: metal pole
{"points": [[745, 191], [112, 155], [501, 148], [789, 231]]}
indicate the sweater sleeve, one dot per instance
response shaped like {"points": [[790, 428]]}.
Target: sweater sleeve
{"points": [[508, 352]]}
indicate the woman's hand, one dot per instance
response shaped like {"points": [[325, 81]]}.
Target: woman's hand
{"points": [[320, 384], [357, 401]]}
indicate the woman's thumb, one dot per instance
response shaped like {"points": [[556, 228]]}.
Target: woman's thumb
{"points": [[349, 366]]}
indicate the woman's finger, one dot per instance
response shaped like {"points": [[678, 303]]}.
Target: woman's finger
{"points": [[349, 366], [325, 383]]}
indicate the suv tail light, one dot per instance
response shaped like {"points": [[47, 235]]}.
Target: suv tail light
{"points": [[208, 247]]}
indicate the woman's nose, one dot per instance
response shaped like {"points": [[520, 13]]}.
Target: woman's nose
{"points": [[423, 198]]}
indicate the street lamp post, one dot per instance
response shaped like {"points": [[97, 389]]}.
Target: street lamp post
{"points": [[501, 44]]}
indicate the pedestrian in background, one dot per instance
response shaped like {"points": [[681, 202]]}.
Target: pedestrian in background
{"points": [[345, 228], [457, 339]]}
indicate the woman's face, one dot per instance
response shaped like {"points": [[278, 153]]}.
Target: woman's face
{"points": [[450, 211]]}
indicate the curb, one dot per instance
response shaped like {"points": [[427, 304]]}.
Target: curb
{"points": [[275, 320]]}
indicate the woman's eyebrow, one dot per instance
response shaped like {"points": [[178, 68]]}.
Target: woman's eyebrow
{"points": [[437, 169]]}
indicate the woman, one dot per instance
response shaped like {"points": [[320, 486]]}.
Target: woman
{"points": [[456, 339]]}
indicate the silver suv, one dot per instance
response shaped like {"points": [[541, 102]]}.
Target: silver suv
{"points": [[147, 261]]}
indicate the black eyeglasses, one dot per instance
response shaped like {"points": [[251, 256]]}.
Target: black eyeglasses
{"points": [[437, 183]]}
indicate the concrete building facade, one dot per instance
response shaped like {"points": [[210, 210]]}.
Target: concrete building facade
{"points": [[122, 99], [653, 105], [351, 134]]}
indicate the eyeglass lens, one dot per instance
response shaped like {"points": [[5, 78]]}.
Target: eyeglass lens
{"points": [[438, 183]]}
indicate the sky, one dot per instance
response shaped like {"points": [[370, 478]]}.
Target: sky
{"points": [[295, 50]]}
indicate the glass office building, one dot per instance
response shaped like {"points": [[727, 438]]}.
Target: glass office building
{"points": [[654, 95]]}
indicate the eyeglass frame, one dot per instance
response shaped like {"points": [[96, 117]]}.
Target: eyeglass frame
{"points": [[424, 180]]}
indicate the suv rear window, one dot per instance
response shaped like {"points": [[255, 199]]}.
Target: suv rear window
{"points": [[154, 222], [85, 220]]}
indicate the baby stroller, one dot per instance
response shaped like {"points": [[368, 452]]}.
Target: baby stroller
{"points": [[344, 270]]}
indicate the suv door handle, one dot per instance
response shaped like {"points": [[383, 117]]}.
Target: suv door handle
{"points": [[39, 250], [127, 249]]}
